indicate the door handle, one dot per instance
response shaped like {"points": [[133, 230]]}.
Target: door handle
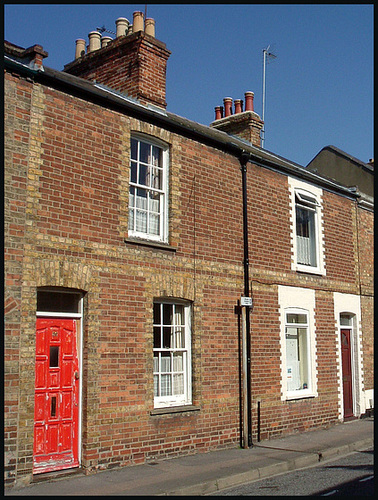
{"points": [[77, 375]]}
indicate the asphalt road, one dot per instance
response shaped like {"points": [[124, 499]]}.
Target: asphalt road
{"points": [[350, 475]]}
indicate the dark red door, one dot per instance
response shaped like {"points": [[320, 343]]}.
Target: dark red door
{"points": [[56, 396], [347, 373]]}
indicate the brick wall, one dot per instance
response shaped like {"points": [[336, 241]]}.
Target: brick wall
{"points": [[134, 64], [66, 189]]}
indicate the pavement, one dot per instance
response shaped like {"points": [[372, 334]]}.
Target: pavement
{"points": [[205, 473]]}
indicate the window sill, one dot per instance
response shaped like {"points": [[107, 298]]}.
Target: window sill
{"points": [[310, 270], [174, 409], [150, 244], [302, 395]]}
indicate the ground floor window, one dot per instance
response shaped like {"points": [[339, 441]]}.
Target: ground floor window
{"points": [[299, 370], [172, 353], [297, 350]]}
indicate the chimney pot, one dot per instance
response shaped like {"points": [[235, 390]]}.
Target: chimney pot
{"points": [[138, 24], [80, 48], [122, 26], [238, 106], [150, 26], [218, 112], [249, 101], [105, 40], [227, 101], [94, 41]]}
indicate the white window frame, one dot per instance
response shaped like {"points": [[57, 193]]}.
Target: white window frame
{"points": [[308, 197], [295, 300], [162, 192], [186, 397]]}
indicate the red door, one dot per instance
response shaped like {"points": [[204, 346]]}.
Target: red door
{"points": [[347, 373], [56, 396]]}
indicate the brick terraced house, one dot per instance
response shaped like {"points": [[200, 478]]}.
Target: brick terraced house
{"points": [[170, 287]]}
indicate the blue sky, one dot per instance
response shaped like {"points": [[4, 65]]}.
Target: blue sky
{"points": [[319, 89]]}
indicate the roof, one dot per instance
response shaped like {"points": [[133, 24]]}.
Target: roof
{"points": [[110, 98]]}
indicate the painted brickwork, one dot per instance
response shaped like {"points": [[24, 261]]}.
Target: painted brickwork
{"points": [[66, 192]]}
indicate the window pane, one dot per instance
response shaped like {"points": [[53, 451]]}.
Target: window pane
{"points": [[53, 406], [179, 338], [156, 156], [166, 389], [346, 320], [155, 178], [144, 152], [178, 362], [154, 224], [178, 384], [143, 175], [156, 362], [141, 221], [156, 385], [296, 318], [50, 301], [157, 308], [167, 314], [167, 333], [157, 337], [134, 149], [165, 362], [133, 172], [54, 356]]}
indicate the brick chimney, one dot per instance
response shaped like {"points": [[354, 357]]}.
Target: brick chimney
{"points": [[245, 124], [32, 56], [133, 63]]}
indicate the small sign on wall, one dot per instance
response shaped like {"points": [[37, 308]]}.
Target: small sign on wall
{"points": [[246, 301]]}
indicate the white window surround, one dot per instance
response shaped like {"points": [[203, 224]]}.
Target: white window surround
{"points": [[151, 209], [311, 197], [345, 303], [298, 301], [173, 360]]}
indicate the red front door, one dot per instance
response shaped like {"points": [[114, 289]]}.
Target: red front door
{"points": [[347, 373], [56, 396]]}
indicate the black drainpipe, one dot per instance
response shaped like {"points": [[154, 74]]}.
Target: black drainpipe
{"points": [[244, 158]]}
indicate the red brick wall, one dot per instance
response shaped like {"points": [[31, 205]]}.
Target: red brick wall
{"points": [[340, 240], [366, 270], [67, 186], [17, 100]]}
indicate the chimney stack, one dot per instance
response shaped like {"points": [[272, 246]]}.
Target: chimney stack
{"points": [[246, 125], [128, 63]]}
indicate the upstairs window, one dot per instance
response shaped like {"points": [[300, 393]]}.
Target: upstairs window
{"points": [[306, 226], [148, 190]]}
